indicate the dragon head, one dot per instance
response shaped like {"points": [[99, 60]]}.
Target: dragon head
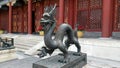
{"points": [[48, 17]]}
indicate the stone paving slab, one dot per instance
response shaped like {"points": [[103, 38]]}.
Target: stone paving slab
{"points": [[53, 62], [6, 55], [92, 63], [23, 63]]}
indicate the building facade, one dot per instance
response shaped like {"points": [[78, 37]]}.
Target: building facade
{"points": [[94, 15]]}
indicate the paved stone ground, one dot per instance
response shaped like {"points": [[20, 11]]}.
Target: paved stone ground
{"points": [[23, 42], [93, 62]]}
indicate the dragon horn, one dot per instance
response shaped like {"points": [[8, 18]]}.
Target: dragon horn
{"points": [[52, 9], [46, 9]]}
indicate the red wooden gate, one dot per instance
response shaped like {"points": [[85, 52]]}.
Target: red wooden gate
{"points": [[25, 19], [14, 21], [19, 20], [116, 25], [90, 14], [4, 20], [37, 12]]}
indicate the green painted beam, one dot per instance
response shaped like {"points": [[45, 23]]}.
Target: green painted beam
{"points": [[5, 2]]}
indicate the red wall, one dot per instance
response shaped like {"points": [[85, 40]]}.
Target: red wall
{"points": [[4, 19], [17, 19]]}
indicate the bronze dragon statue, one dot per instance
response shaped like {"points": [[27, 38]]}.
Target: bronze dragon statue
{"points": [[48, 23]]}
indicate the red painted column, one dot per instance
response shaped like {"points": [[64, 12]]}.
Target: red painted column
{"points": [[29, 16], [61, 12], [10, 18], [71, 13], [107, 18], [75, 12], [0, 20], [23, 20]]}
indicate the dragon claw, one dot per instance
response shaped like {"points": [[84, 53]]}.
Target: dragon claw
{"points": [[64, 60], [41, 54], [61, 54], [77, 53]]}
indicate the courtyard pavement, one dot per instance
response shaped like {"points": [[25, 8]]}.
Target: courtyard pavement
{"points": [[93, 62]]}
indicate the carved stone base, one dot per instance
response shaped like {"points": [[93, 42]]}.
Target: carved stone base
{"points": [[52, 62], [8, 54]]}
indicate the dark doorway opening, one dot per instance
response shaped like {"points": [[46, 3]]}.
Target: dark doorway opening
{"points": [[33, 22]]}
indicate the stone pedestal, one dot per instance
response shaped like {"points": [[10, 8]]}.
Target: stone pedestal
{"points": [[52, 62], [8, 54]]}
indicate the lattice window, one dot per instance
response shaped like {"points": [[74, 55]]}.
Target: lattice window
{"points": [[83, 4], [116, 26], [90, 13], [82, 17], [118, 19], [95, 19], [95, 3]]}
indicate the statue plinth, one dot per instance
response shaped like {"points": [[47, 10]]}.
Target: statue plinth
{"points": [[52, 62]]}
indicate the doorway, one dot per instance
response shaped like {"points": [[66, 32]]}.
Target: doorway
{"points": [[33, 22]]}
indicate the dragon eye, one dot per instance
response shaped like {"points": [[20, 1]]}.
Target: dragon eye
{"points": [[46, 17]]}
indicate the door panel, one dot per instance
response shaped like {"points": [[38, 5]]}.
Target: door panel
{"points": [[19, 20], [4, 20]]}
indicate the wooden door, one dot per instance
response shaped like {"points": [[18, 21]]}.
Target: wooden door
{"points": [[4, 20], [25, 19], [17, 20]]}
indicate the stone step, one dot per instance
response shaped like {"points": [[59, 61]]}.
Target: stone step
{"points": [[27, 41], [22, 47], [21, 50], [26, 44], [7, 35], [22, 63]]}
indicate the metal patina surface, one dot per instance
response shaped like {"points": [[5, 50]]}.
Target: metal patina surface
{"points": [[52, 62], [48, 23], [6, 43]]}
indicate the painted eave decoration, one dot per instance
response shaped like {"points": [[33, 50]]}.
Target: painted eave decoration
{"points": [[6, 2]]}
